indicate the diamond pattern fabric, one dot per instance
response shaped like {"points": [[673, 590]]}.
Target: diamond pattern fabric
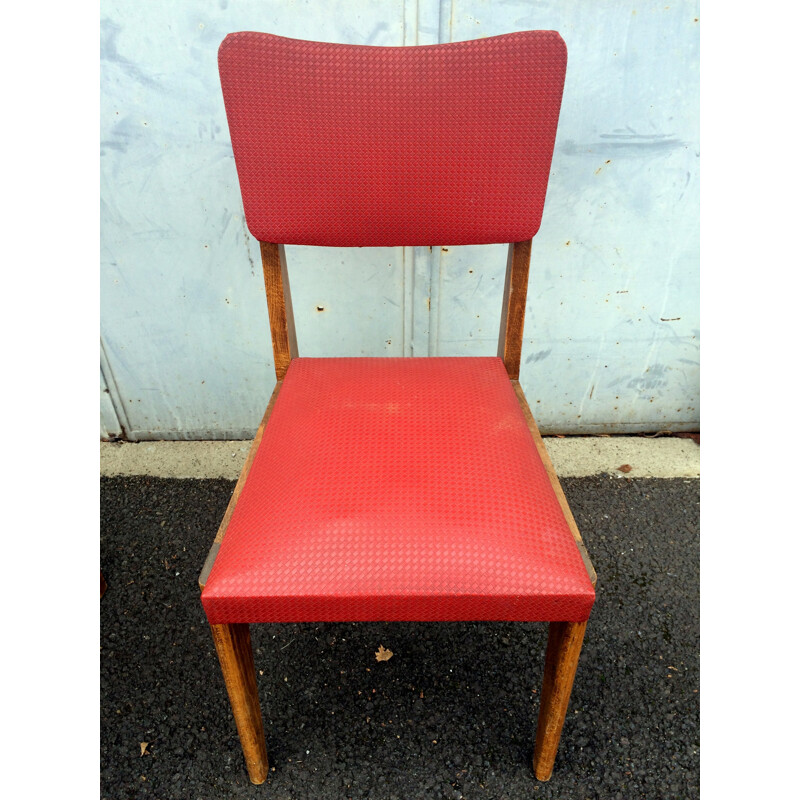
{"points": [[355, 145], [397, 489]]}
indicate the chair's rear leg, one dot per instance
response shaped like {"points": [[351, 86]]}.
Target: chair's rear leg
{"points": [[563, 650], [236, 659]]}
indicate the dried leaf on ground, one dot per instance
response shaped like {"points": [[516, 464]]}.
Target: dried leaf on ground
{"points": [[143, 746], [382, 654], [625, 468]]}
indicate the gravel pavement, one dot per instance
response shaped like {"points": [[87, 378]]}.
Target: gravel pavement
{"points": [[451, 715]]}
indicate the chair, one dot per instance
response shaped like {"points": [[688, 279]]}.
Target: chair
{"points": [[395, 489]]}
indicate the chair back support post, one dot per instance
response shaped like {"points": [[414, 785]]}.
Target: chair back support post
{"points": [[281, 315], [512, 320], [279, 303]]}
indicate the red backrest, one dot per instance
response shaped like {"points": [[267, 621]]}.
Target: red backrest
{"points": [[353, 145]]}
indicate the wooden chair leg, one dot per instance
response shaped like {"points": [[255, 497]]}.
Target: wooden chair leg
{"points": [[563, 650], [236, 659]]}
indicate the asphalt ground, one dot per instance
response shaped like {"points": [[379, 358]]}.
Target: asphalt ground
{"points": [[452, 714]]}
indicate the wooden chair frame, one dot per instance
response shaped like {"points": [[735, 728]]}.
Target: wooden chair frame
{"points": [[232, 641]]}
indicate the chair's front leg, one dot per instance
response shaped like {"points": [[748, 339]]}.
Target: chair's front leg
{"points": [[564, 642], [236, 659]]}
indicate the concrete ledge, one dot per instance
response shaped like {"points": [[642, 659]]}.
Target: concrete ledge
{"points": [[572, 457], [578, 457]]}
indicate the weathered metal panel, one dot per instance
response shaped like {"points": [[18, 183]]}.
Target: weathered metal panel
{"points": [[612, 328], [611, 333], [348, 301], [183, 311], [109, 423]]}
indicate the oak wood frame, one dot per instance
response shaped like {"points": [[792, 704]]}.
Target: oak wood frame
{"points": [[279, 302], [232, 641], [512, 319], [236, 660], [564, 640]]}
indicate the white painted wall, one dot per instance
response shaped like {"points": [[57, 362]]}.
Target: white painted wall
{"points": [[612, 330]]}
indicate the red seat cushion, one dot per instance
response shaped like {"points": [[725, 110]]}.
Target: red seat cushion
{"points": [[397, 489]]}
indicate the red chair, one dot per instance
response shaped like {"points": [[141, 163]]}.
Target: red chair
{"points": [[385, 489]]}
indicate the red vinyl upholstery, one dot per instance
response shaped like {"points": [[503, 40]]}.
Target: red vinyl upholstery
{"points": [[355, 145], [397, 489]]}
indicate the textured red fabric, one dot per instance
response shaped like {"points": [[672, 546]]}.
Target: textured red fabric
{"points": [[397, 489], [354, 145]]}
